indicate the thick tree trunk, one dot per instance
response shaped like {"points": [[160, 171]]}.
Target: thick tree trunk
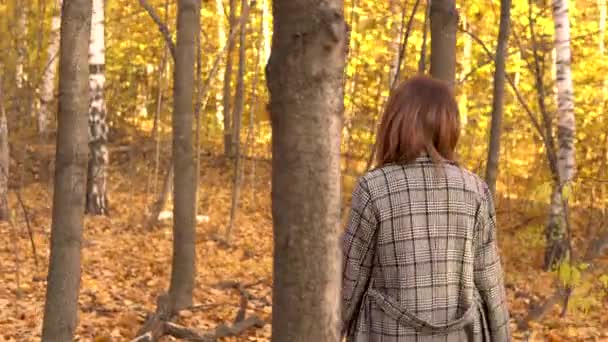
{"points": [[47, 88], [228, 139], [444, 24], [183, 268], [498, 95], [4, 159], [63, 282], [239, 107], [565, 133], [305, 80], [97, 201]]}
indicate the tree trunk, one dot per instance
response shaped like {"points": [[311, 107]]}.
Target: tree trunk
{"points": [[396, 31], [266, 34], [305, 80], [228, 139], [47, 88], [498, 95], [97, 201], [602, 49], [422, 60], [63, 282], [20, 38], [444, 24], [565, 129], [221, 41], [239, 107], [4, 159], [183, 268], [467, 51]]}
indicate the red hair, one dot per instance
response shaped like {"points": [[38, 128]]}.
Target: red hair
{"points": [[421, 116]]}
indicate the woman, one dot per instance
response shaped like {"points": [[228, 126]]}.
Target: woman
{"points": [[420, 255]]}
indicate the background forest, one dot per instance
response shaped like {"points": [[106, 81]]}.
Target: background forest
{"points": [[127, 235]]}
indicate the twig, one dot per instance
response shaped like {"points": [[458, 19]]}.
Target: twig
{"points": [[30, 232]]}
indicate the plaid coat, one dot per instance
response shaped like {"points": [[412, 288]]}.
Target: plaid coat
{"points": [[420, 258]]}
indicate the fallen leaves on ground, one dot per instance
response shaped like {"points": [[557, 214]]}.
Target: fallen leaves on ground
{"points": [[125, 267]]}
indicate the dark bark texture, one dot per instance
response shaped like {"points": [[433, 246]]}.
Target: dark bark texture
{"points": [[227, 97], [305, 79], [183, 268], [499, 94], [444, 24], [63, 282]]}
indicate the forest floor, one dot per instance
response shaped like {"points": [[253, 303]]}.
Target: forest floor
{"points": [[126, 266]]}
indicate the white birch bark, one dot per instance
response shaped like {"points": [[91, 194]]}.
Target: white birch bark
{"points": [[221, 42], [556, 232], [565, 92], [21, 34], [98, 129], [47, 88]]}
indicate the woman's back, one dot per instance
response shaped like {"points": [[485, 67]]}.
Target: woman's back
{"points": [[425, 226], [420, 254]]}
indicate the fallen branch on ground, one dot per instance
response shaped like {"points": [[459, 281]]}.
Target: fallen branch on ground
{"points": [[159, 324]]}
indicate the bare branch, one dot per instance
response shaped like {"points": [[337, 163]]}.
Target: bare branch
{"points": [[162, 27]]}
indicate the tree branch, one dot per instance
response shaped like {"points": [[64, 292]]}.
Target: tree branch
{"points": [[520, 98], [162, 27]]}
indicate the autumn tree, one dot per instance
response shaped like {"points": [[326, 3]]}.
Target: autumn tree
{"points": [[47, 87], [4, 159], [305, 79], [227, 96], [63, 282], [21, 43], [556, 230], [498, 94], [97, 202], [183, 267], [239, 108], [444, 24]]}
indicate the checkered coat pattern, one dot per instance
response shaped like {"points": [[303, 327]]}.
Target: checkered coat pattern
{"points": [[421, 261]]}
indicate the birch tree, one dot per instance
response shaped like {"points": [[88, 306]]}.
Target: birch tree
{"points": [[63, 282], [21, 43], [221, 41], [47, 88], [305, 79], [556, 230], [97, 202]]}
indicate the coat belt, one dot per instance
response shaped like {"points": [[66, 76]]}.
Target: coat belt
{"points": [[403, 317]]}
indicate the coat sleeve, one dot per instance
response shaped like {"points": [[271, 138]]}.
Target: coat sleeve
{"points": [[489, 278], [358, 249]]}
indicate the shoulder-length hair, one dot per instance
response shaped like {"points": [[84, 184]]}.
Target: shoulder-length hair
{"points": [[421, 116]]}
